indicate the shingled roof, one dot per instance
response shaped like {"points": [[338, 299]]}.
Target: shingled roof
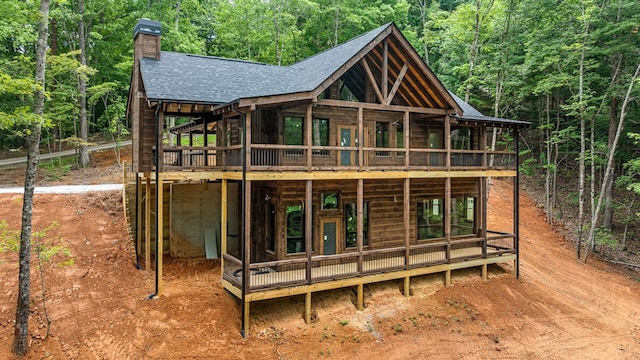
{"points": [[214, 80]]}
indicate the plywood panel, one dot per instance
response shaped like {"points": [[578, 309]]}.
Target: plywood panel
{"points": [[194, 208]]}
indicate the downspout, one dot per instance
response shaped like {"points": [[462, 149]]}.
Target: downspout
{"points": [[135, 236], [158, 194], [516, 204], [245, 266]]}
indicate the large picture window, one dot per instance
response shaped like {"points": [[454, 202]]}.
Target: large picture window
{"points": [[270, 227], [463, 210], [351, 222], [320, 135], [430, 219]]}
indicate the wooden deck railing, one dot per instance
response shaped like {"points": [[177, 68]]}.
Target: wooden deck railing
{"points": [[272, 157], [294, 272]]}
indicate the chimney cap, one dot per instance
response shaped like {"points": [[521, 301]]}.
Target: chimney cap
{"points": [[147, 26]]}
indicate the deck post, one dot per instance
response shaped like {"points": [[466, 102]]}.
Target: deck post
{"points": [[245, 318], [407, 222], [407, 286], [360, 138], [447, 278], [246, 225], [223, 224], [484, 272], [485, 199], [516, 204], [447, 216], [360, 225], [405, 130], [159, 231], [308, 213], [205, 141], [147, 222], [447, 141], [308, 136], [307, 308], [360, 297]]}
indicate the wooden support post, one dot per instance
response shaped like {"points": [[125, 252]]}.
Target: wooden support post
{"points": [[205, 140], [360, 138], [407, 138], [307, 308], [407, 286], [483, 146], [308, 137], [484, 197], [360, 297], [447, 140], [407, 222], [447, 278], [385, 70], [247, 136], [360, 224], [247, 237], [308, 216], [223, 224], [147, 222], [484, 272], [245, 318], [160, 225], [447, 216]]}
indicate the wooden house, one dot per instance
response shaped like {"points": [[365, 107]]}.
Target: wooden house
{"points": [[353, 166]]}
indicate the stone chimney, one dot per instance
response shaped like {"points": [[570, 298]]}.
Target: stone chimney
{"points": [[146, 39]]}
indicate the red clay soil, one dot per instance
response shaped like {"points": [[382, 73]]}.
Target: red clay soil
{"points": [[559, 309]]}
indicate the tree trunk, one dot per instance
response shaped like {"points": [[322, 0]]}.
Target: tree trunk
{"points": [[608, 194], [609, 170], [82, 89], [583, 130], [21, 333]]}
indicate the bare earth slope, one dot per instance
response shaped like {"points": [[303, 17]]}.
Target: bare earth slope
{"points": [[559, 309]]}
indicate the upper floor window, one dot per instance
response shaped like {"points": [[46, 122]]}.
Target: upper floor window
{"points": [[293, 130], [461, 139], [382, 137], [430, 222]]}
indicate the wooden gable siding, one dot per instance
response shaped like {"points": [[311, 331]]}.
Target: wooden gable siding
{"points": [[386, 206]]}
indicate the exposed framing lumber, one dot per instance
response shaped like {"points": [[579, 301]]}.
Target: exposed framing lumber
{"points": [[371, 106], [396, 85], [223, 223], [372, 79], [147, 223], [385, 70]]}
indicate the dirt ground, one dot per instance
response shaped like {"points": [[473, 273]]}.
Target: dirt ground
{"points": [[559, 309]]}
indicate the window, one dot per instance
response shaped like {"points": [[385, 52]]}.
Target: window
{"points": [[351, 222], [430, 219], [329, 201], [399, 137], [295, 229], [461, 139], [320, 135], [293, 134], [345, 93], [462, 215], [382, 137], [270, 227]]}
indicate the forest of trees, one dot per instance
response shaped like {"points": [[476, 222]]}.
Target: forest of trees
{"points": [[567, 66]]}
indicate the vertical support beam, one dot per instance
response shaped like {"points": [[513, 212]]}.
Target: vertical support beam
{"points": [[385, 70], [307, 308], [484, 198], [308, 213], [245, 318], [447, 216], [246, 227], [360, 297], [484, 272], [405, 129], [247, 139], [407, 286], [360, 224], [483, 145], [360, 138], [406, 199], [447, 278], [447, 140], [147, 222], [160, 232], [308, 137], [516, 203], [205, 140], [223, 223]]}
